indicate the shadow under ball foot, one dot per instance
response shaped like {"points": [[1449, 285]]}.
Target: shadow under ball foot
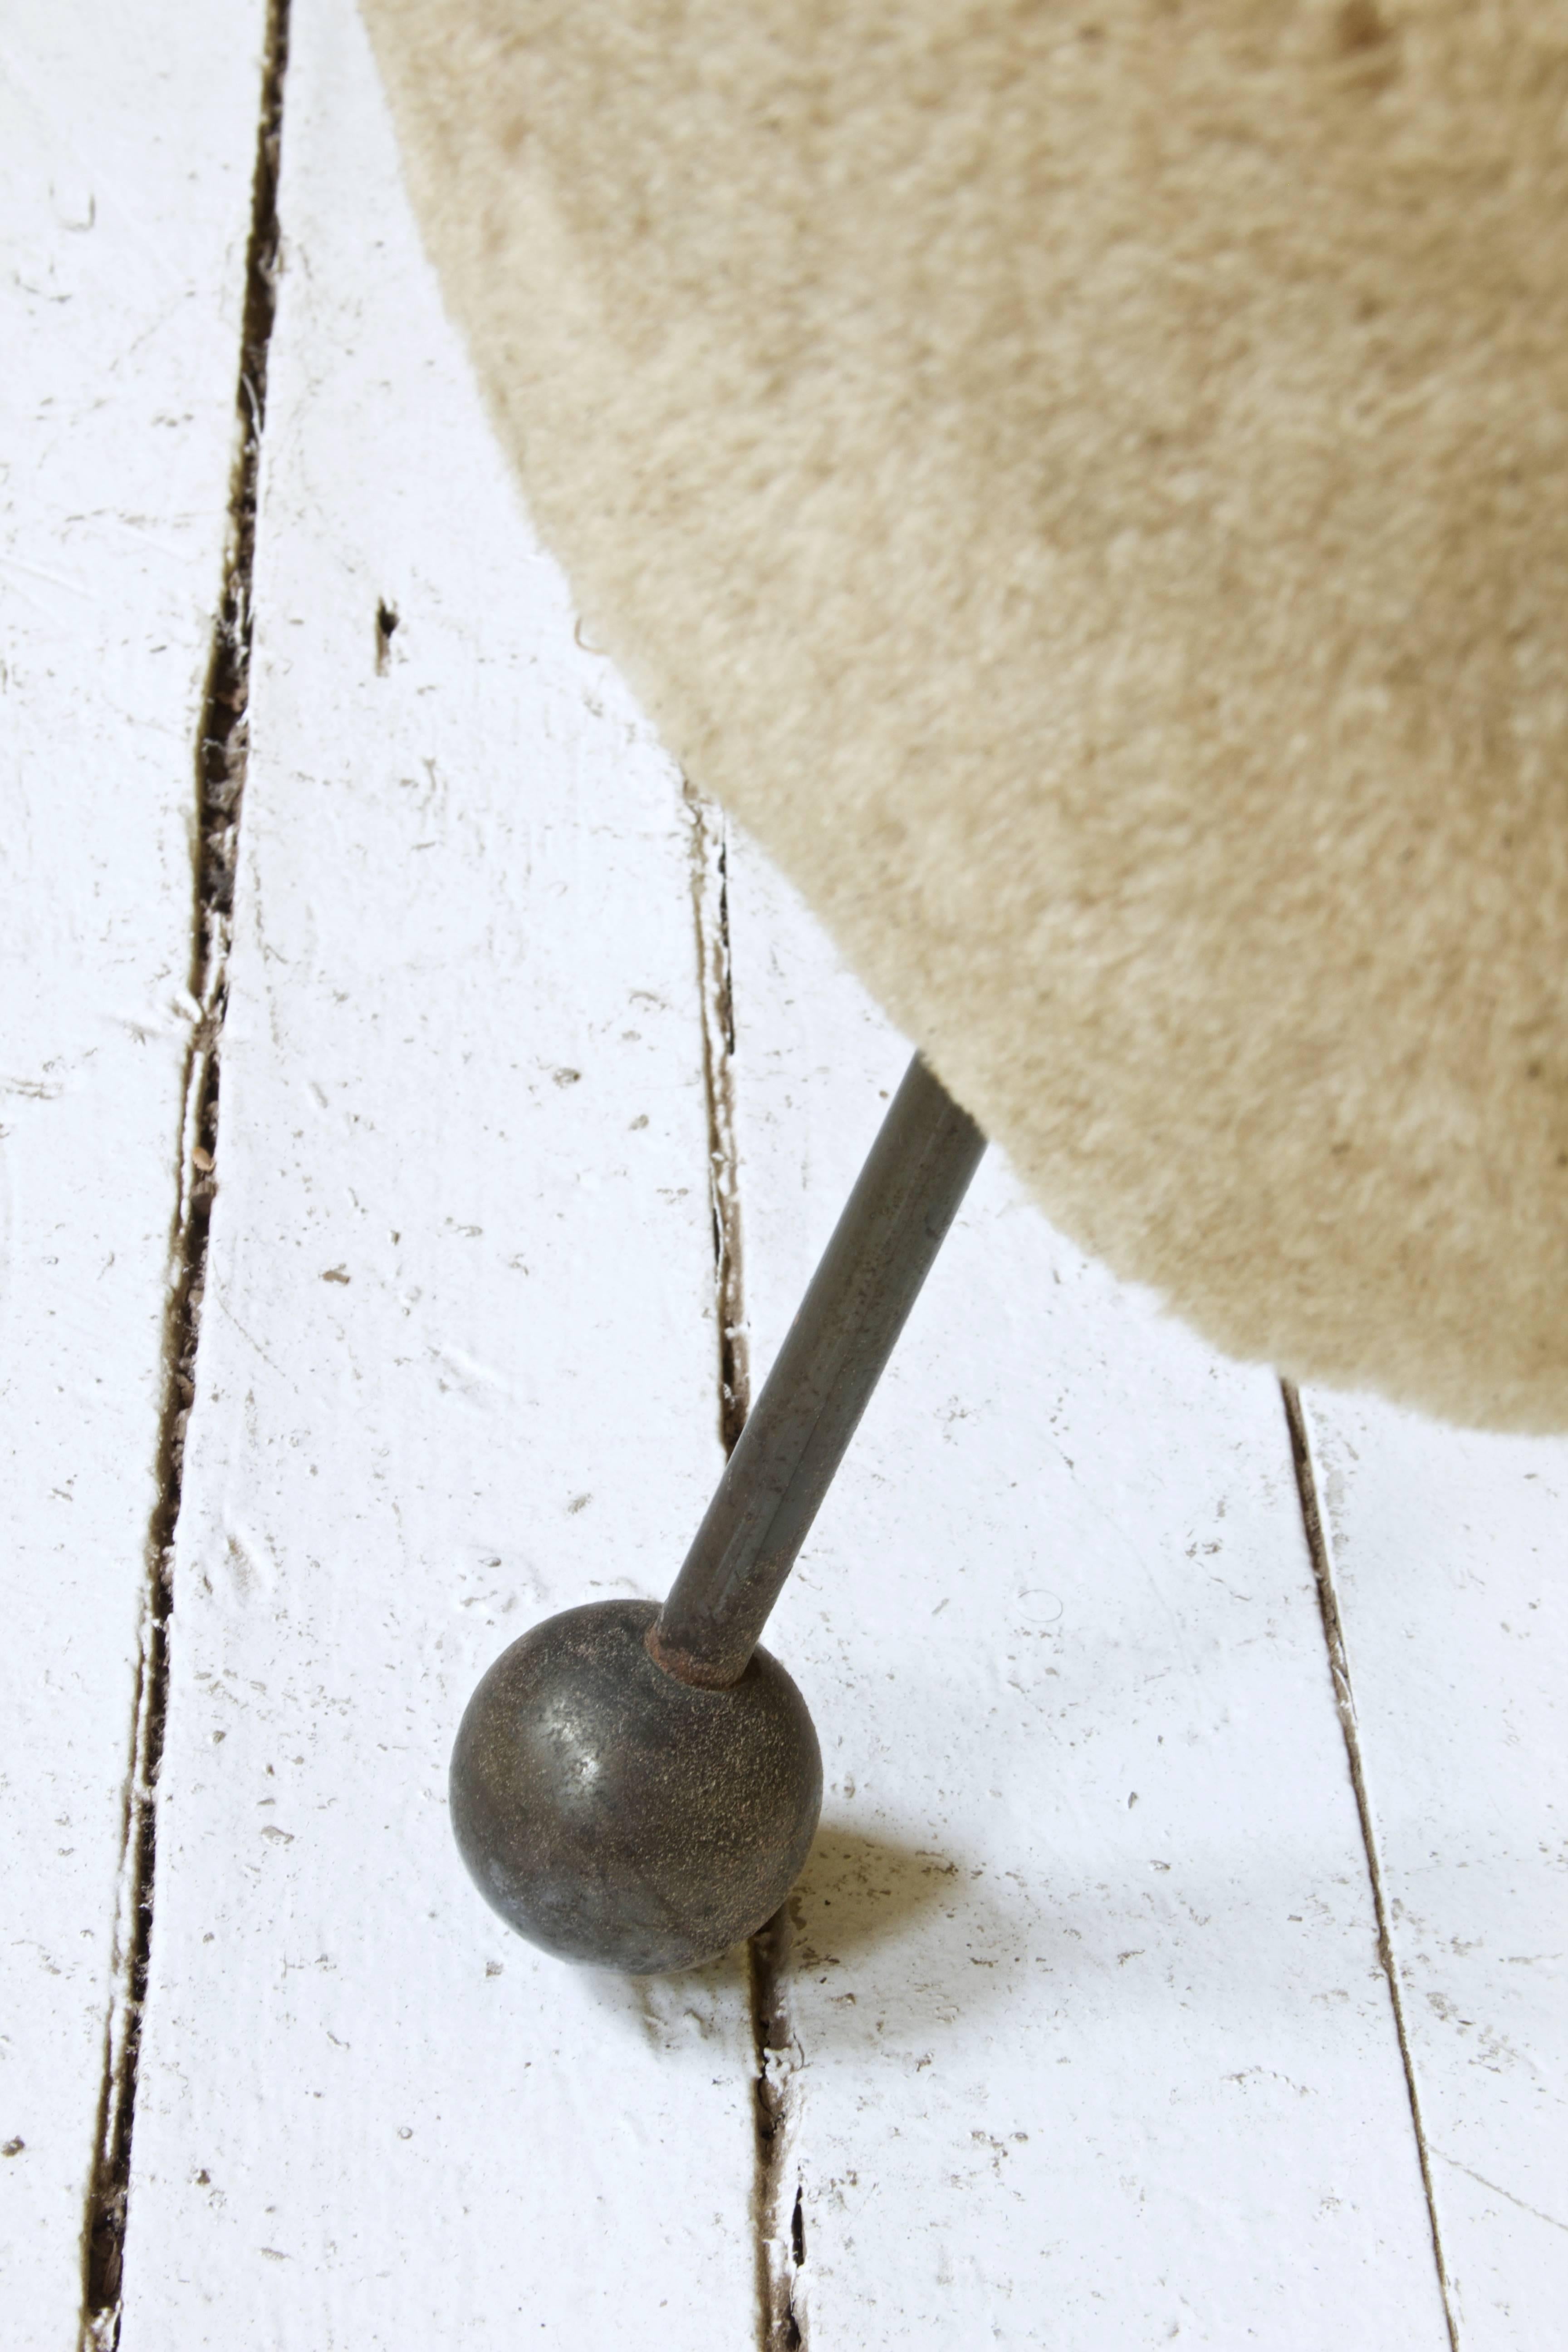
{"points": [[618, 1816]]}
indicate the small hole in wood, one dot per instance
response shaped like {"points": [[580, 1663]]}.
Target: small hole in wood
{"points": [[385, 626]]}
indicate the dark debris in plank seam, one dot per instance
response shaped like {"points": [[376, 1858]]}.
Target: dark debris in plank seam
{"points": [[222, 749], [779, 2246]]}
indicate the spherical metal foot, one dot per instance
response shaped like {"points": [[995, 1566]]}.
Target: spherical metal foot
{"points": [[618, 1816]]}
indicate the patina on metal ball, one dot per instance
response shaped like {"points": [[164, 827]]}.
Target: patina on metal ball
{"points": [[616, 1815]]}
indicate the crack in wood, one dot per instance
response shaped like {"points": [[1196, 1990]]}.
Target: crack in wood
{"points": [[222, 749], [1344, 1700]]}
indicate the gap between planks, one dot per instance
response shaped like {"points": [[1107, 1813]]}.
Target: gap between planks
{"points": [[221, 750], [1344, 1702], [780, 2250]]}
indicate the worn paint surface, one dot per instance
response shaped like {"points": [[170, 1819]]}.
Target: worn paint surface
{"points": [[125, 149], [457, 1369], [1078, 2034]]}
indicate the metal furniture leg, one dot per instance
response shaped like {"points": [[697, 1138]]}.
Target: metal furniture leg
{"points": [[636, 1787]]}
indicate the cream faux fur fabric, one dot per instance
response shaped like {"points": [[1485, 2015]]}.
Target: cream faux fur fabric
{"points": [[1088, 486]]}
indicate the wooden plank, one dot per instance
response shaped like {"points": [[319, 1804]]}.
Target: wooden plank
{"points": [[1447, 1552], [457, 1369], [1087, 2038], [126, 142]]}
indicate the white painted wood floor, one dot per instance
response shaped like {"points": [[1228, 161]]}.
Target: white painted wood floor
{"points": [[1182, 1957]]}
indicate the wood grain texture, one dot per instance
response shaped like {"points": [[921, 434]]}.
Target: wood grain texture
{"points": [[1090, 2042], [457, 1369], [1447, 1552], [125, 154]]}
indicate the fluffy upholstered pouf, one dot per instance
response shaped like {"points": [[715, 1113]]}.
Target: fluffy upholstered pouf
{"points": [[1088, 485]]}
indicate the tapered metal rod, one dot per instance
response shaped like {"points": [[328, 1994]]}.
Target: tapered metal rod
{"points": [[893, 1225]]}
